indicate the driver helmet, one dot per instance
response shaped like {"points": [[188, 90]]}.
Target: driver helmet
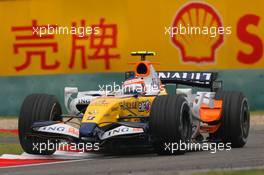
{"points": [[134, 86]]}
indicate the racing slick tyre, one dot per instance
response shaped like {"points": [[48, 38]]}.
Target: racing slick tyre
{"points": [[37, 107], [235, 119], [170, 124]]}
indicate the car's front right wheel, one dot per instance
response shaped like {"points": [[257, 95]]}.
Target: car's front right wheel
{"points": [[170, 124]]}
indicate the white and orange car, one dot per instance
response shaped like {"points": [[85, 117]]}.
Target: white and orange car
{"points": [[142, 113]]}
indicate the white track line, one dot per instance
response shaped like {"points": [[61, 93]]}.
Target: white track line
{"points": [[58, 155], [48, 163], [66, 157]]}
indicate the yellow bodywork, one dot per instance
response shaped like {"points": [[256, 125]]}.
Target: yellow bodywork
{"points": [[106, 110]]}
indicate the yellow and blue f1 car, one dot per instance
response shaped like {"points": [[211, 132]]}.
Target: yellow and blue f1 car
{"points": [[141, 113]]}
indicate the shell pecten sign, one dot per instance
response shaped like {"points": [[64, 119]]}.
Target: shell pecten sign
{"points": [[200, 32], [205, 38]]}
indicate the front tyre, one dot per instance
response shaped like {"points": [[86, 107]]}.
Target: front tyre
{"points": [[37, 107], [170, 124]]}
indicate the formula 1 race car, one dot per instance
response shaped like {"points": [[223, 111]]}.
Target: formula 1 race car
{"points": [[140, 114]]}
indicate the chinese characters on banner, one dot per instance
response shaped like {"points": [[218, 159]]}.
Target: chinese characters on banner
{"points": [[29, 42], [32, 46]]}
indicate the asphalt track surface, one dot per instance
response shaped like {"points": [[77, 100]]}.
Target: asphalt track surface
{"points": [[252, 155]]}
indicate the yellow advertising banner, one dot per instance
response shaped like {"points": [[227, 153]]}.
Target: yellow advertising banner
{"points": [[87, 36]]}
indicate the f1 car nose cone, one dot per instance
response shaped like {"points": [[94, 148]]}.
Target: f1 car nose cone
{"points": [[86, 129]]}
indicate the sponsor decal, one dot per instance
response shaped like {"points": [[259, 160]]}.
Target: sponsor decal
{"points": [[93, 112], [199, 76], [60, 128], [54, 128], [129, 105], [121, 130], [202, 18], [99, 103], [83, 101], [144, 106], [141, 106], [73, 131], [90, 117]]}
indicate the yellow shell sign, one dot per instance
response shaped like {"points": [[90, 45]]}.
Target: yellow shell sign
{"points": [[58, 37], [195, 38]]}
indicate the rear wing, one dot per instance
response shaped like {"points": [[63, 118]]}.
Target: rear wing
{"points": [[195, 79]]}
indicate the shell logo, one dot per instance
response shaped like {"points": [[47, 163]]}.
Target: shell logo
{"points": [[197, 48]]}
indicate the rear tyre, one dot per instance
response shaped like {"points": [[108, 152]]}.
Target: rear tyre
{"points": [[170, 124], [235, 119], [37, 107]]}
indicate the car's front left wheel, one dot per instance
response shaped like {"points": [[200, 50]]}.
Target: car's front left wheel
{"points": [[37, 107]]}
